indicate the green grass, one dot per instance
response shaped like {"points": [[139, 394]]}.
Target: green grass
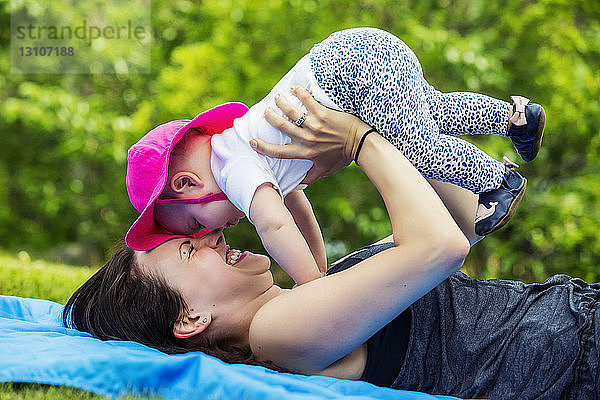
{"points": [[32, 391], [23, 277]]}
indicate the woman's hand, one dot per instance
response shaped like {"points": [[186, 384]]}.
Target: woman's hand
{"points": [[328, 138]]}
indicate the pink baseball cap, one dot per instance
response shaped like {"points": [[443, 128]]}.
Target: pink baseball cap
{"points": [[148, 170]]}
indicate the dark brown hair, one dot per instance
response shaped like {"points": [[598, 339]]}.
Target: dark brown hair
{"points": [[123, 302]]}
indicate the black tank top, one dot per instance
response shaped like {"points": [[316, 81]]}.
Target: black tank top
{"points": [[386, 348]]}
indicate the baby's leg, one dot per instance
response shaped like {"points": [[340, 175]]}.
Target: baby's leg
{"points": [[443, 157], [459, 113], [374, 75], [473, 113]]}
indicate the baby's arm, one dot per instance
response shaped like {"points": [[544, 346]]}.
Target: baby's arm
{"points": [[280, 235], [297, 203]]}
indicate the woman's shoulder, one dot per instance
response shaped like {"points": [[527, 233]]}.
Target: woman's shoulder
{"points": [[283, 337], [273, 335], [284, 320]]}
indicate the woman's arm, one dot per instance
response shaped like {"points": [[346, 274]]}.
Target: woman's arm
{"points": [[462, 205], [329, 139], [353, 304]]}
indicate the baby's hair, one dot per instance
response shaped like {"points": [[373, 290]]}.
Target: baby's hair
{"points": [[179, 153], [180, 147]]}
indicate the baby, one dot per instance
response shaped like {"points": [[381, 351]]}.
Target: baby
{"points": [[170, 181], [365, 71]]}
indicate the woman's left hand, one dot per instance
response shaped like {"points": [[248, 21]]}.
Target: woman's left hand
{"points": [[328, 138]]}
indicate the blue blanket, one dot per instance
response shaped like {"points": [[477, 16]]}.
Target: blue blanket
{"points": [[36, 347]]}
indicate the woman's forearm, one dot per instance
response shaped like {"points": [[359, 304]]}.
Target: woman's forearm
{"points": [[462, 205], [415, 211]]}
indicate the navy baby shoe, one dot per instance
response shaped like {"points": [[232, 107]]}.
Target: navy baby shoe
{"points": [[497, 206], [526, 127]]}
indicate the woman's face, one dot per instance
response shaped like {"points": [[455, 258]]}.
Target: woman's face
{"points": [[209, 274]]}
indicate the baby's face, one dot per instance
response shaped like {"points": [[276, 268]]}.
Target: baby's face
{"points": [[185, 219]]}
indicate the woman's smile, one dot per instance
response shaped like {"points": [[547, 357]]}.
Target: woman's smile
{"points": [[233, 256]]}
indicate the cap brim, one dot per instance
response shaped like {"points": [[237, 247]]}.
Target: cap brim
{"points": [[145, 234], [218, 118]]}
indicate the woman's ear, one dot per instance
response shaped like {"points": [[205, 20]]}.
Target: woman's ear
{"points": [[191, 325], [185, 182]]}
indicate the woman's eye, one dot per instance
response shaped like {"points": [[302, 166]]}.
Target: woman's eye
{"points": [[186, 249]]}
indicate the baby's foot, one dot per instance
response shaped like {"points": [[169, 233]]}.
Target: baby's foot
{"points": [[497, 206], [526, 127]]}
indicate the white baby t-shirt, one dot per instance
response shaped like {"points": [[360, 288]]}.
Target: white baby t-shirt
{"points": [[238, 169]]}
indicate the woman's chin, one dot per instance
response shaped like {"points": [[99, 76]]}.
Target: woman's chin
{"points": [[255, 263]]}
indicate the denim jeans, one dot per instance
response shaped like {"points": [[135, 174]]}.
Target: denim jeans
{"points": [[502, 339]]}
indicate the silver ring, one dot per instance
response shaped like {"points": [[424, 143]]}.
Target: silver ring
{"points": [[300, 120]]}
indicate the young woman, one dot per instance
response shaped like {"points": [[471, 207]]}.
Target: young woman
{"points": [[396, 314]]}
